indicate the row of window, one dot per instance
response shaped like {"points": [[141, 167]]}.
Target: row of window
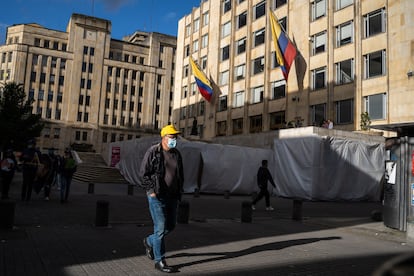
{"points": [[112, 137], [374, 23], [45, 43]]}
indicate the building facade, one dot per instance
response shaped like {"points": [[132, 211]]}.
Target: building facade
{"points": [[354, 56], [89, 88]]}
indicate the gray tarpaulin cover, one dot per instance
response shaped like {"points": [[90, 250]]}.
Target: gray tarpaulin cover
{"points": [[317, 168], [310, 168]]}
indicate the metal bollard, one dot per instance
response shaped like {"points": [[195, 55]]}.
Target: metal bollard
{"points": [[91, 188], [246, 212], [183, 212], [227, 194], [130, 189], [297, 210], [7, 208], [102, 212]]}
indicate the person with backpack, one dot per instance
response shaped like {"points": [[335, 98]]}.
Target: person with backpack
{"points": [[68, 168]]}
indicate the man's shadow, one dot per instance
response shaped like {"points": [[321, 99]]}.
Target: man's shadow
{"points": [[251, 250]]}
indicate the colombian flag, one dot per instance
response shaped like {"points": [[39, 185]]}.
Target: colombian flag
{"points": [[285, 50], [203, 83]]}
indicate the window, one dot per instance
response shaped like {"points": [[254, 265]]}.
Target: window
{"points": [[221, 128], [241, 46], [188, 30], [40, 95], [375, 64], [374, 23], [278, 89], [318, 9], [201, 108], [319, 43], [340, 4], [239, 72], [345, 111], [260, 10], [318, 78], [225, 53], [206, 18], [203, 62], [258, 65], [185, 91], [224, 78], [257, 94], [277, 120], [344, 71], [46, 132], [226, 29], [375, 105], [238, 126], [193, 88], [279, 3], [256, 124], [241, 20], [226, 5], [222, 104], [318, 114], [185, 73], [196, 25], [344, 34], [195, 45], [238, 99], [37, 42], [259, 37], [204, 41]]}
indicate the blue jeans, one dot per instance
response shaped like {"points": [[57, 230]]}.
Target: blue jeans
{"points": [[65, 182], [164, 216]]}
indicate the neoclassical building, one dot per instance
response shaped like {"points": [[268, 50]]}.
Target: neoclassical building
{"points": [[89, 88], [354, 56]]}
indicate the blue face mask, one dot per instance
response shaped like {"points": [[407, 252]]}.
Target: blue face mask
{"points": [[172, 143]]}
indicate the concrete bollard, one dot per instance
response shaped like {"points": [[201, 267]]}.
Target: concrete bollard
{"points": [[91, 188], [130, 189], [7, 208], [297, 210], [246, 211], [102, 212], [196, 192], [183, 212]]}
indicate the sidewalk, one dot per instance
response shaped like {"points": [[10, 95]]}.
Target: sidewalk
{"points": [[50, 238]]}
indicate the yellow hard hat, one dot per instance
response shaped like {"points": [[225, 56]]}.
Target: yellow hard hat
{"points": [[169, 129]]}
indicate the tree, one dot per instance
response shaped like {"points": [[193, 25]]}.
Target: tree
{"points": [[17, 123], [365, 121]]}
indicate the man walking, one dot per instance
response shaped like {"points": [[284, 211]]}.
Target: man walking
{"points": [[263, 176], [162, 177]]}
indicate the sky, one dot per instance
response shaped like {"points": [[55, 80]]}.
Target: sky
{"points": [[127, 16]]}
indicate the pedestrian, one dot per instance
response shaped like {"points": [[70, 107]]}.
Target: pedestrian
{"points": [[263, 176], [50, 176], [68, 168], [162, 177], [30, 162], [8, 167]]}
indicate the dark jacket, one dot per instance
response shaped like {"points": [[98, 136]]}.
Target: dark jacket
{"points": [[263, 175], [152, 171]]}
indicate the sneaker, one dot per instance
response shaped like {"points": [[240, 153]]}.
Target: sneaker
{"points": [[270, 208], [253, 207]]}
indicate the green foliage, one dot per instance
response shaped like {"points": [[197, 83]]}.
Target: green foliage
{"points": [[17, 123], [365, 121]]}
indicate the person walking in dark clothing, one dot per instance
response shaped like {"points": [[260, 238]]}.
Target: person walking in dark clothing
{"points": [[8, 167], [30, 160], [162, 176], [68, 169], [263, 176]]}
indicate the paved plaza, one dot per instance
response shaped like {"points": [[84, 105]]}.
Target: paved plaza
{"points": [[50, 238]]}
